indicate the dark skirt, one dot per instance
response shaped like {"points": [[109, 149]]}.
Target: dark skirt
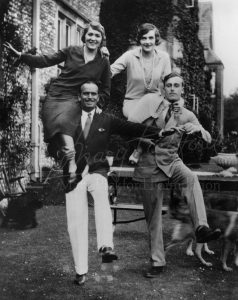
{"points": [[60, 116]]}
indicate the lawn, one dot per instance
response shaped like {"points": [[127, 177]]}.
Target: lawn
{"points": [[37, 264]]}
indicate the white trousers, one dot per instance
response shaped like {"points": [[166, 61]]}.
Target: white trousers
{"points": [[77, 218]]}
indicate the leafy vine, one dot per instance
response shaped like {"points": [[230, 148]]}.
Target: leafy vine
{"points": [[14, 100]]}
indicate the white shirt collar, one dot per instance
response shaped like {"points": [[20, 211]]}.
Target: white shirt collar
{"points": [[180, 102], [84, 116], [85, 113]]}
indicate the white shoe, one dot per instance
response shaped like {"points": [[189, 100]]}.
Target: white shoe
{"points": [[134, 158], [3, 206]]}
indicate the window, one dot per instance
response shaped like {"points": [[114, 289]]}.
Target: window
{"points": [[195, 102], [189, 3], [79, 35], [65, 31], [59, 45]]}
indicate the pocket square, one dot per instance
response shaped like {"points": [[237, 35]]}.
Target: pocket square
{"points": [[101, 129]]}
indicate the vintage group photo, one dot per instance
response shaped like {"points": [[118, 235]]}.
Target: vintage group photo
{"points": [[118, 149]]}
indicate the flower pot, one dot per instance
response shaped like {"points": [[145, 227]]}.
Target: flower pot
{"points": [[226, 160]]}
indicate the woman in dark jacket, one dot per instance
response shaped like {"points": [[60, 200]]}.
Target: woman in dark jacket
{"points": [[61, 108]]}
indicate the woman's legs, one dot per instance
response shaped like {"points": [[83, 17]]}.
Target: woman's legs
{"points": [[67, 152], [61, 147], [138, 111]]}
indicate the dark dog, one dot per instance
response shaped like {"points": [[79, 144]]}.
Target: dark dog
{"points": [[227, 221], [21, 212]]}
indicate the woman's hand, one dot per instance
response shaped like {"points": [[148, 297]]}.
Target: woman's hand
{"points": [[13, 50], [104, 52]]}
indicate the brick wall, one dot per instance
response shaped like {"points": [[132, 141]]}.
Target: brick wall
{"points": [[48, 35], [90, 8], [20, 14]]}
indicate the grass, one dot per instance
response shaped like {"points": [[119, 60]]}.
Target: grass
{"points": [[38, 264]]}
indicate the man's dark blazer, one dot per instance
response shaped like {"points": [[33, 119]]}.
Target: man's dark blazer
{"points": [[92, 151]]}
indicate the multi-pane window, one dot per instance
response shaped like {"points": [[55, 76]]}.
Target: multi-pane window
{"points": [[79, 35], [70, 31], [65, 31]]}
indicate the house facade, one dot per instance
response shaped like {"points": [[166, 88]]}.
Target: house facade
{"points": [[48, 25], [214, 65]]}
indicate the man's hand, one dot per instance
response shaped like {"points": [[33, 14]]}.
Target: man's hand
{"points": [[190, 128], [146, 141], [170, 131]]}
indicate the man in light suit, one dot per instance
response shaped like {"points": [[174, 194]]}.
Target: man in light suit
{"points": [[161, 163], [91, 140]]}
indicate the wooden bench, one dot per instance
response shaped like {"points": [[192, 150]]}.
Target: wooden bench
{"points": [[132, 207], [10, 187], [123, 176]]}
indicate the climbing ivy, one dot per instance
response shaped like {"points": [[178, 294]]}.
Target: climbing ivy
{"points": [[14, 102]]}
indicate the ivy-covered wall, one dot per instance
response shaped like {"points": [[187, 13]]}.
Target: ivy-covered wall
{"points": [[15, 92]]}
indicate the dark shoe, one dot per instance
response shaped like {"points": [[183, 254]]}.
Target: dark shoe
{"points": [[80, 279], [168, 132], [154, 272], [107, 254], [205, 234]]}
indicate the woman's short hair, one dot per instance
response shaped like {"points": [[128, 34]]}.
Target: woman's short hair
{"points": [[144, 29], [95, 26]]}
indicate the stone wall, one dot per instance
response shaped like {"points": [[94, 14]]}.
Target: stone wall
{"points": [[48, 35], [91, 8], [20, 14]]}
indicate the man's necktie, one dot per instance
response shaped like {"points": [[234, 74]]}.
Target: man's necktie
{"points": [[87, 126], [173, 107], [168, 115]]}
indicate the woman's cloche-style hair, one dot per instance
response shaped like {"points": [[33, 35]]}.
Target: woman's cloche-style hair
{"points": [[144, 29], [95, 26]]}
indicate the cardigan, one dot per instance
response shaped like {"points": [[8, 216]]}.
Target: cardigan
{"points": [[131, 61]]}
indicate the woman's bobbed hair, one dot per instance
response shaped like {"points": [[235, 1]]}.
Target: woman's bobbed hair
{"points": [[95, 26], [144, 29]]}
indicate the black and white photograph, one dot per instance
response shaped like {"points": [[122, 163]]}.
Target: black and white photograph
{"points": [[118, 149]]}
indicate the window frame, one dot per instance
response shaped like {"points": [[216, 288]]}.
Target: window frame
{"points": [[190, 5]]}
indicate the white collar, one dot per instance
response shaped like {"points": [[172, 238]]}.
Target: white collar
{"points": [[180, 102], [85, 113]]}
